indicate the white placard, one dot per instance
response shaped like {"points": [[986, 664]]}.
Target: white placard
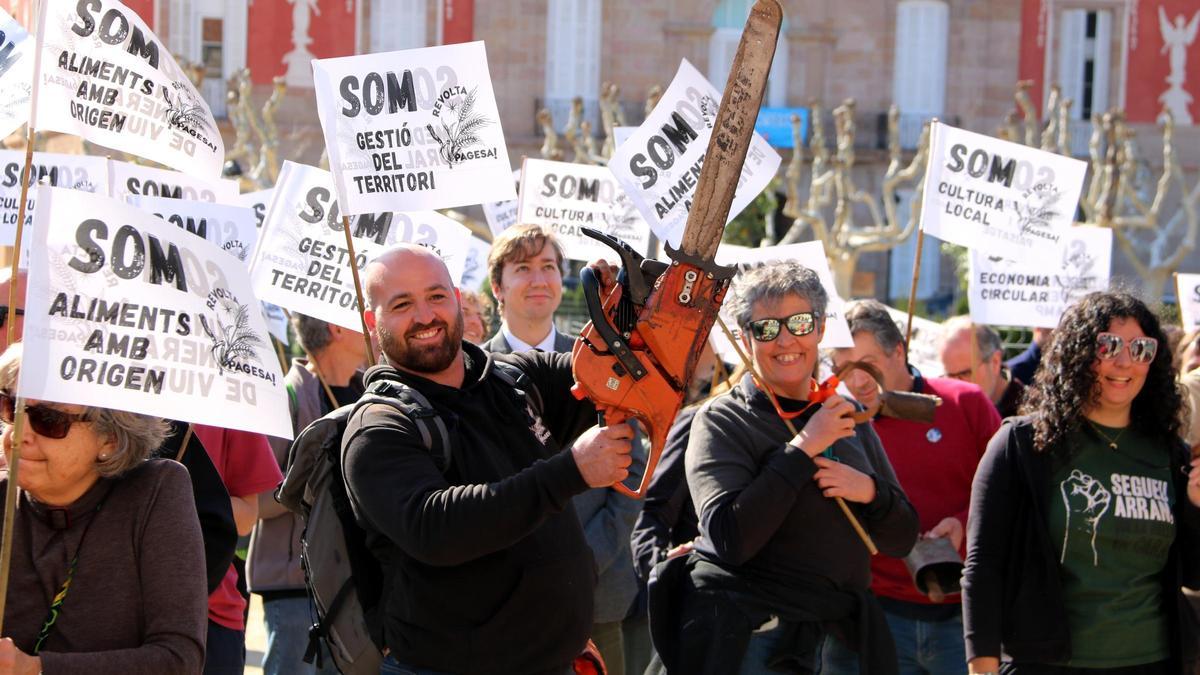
{"points": [[413, 130], [564, 197], [230, 228], [995, 196], [925, 346], [475, 271], [106, 77], [133, 179], [77, 172], [257, 202], [16, 74], [502, 215], [811, 254], [127, 311], [1188, 288], [622, 134], [277, 321], [302, 262], [659, 164], [1037, 288]]}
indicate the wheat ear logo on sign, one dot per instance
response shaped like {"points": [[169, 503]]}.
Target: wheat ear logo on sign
{"points": [[233, 339], [1039, 209], [459, 125]]}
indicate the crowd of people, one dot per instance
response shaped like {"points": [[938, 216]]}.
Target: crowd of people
{"points": [[1041, 518]]}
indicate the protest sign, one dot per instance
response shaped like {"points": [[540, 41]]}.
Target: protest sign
{"points": [[1187, 286], [277, 321], [1035, 289], [659, 164], [127, 311], [924, 348], [257, 202], [302, 263], [77, 172], [412, 130], [475, 270], [502, 215], [621, 134], [563, 197], [230, 228], [811, 254], [106, 77], [996, 196], [133, 179], [16, 74]]}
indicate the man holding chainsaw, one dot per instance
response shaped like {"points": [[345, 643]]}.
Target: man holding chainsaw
{"points": [[935, 462], [778, 560], [485, 566]]}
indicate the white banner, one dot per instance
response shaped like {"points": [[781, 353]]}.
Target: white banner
{"points": [[106, 77], [302, 262], [992, 195], [659, 164], [924, 350], [230, 228], [502, 215], [413, 130], [16, 74], [475, 271], [1188, 288], [134, 179], [257, 202], [129, 312], [563, 197], [811, 254], [1037, 288], [77, 172], [277, 321]]}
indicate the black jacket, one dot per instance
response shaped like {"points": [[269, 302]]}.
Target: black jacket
{"points": [[1011, 590], [485, 567]]}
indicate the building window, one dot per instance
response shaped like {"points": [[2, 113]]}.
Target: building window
{"points": [[573, 57], [729, 19], [1084, 60], [397, 24], [919, 78]]}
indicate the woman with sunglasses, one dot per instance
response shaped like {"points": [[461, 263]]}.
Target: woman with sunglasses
{"points": [[107, 570], [1083, 522], [777, 560]]}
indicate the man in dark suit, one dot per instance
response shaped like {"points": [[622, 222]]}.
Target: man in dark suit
{"points": [[526, 269]]}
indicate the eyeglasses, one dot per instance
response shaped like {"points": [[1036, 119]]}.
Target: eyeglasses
{"points": [[799, 324], [44, 420], [1141, 350], [965, 373], [4, 314]]}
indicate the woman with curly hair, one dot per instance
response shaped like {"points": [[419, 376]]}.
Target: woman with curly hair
{"points": [[1084, 517]]}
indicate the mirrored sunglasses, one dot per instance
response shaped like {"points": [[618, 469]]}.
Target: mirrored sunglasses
{"points": [[1141, 350], [799, 324]]}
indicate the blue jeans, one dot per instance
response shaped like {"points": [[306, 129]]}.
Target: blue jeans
{"points": [[287, 621], [762, 644], [933, 647]]}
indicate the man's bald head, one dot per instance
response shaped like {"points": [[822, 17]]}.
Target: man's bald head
{"points": [[402, 260]]}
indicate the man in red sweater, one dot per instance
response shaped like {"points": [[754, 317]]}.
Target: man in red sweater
{"points": [[935, 464]]}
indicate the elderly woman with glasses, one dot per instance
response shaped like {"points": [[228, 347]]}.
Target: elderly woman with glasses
{"points": [[107, 568], [1083, 521], [777, 561]]}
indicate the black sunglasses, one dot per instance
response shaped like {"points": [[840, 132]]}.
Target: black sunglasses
{"points": [[44, 420], [799, 324], [4, 314]]}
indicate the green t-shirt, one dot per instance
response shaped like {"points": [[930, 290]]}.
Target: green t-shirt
{"points": [[1110, 516]]}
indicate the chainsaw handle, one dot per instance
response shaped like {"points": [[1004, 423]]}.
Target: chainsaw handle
{"points": [[603, 419]]}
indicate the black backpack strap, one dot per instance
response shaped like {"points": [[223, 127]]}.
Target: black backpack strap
{"points": [[435, 436], [518, 380]]}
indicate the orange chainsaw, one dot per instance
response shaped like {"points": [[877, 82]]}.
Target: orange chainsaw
{"points": [[635, 358]]}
